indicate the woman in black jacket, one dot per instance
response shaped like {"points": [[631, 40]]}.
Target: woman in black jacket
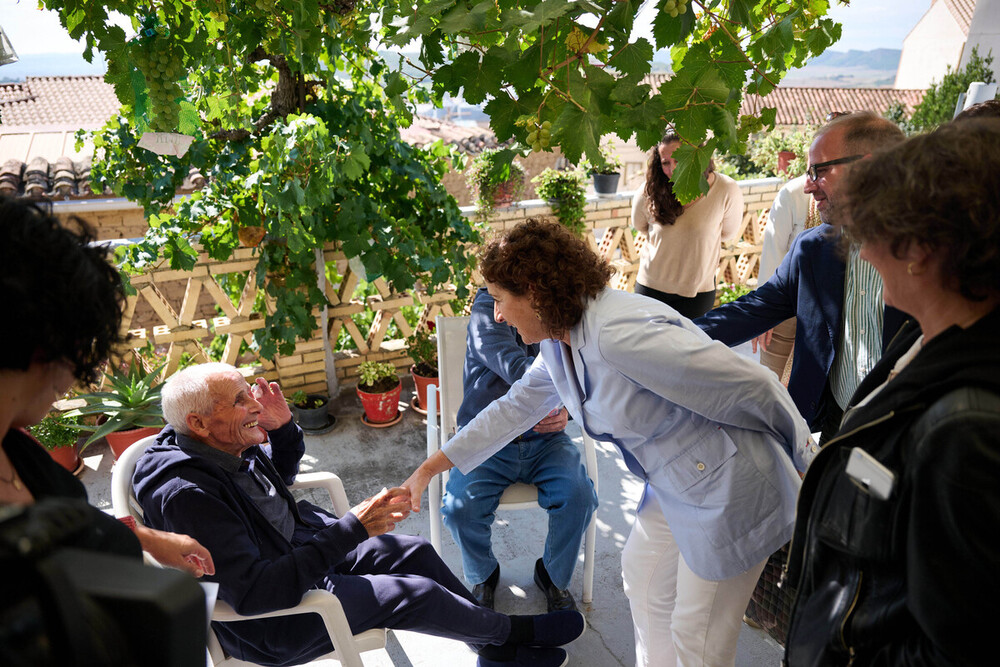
{"points": [[895, 554]]}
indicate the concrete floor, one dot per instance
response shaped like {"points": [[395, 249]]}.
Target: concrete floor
{"points": [[368, 459]]}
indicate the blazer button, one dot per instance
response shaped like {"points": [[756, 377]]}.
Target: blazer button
{"points": [[700, 466]]}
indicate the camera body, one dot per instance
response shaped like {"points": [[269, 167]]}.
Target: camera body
{"points": [[66, 606]]}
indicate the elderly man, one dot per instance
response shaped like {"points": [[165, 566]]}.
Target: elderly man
{"points": [[842, 323], [209, 476]]}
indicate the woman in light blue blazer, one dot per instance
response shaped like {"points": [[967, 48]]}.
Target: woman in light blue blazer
{"points": [[714, 435]]}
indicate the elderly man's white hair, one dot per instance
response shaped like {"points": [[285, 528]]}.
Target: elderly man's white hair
{"points": [[187, 391]]}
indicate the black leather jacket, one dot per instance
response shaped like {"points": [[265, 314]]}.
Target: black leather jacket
{"points": [[913, 579]]}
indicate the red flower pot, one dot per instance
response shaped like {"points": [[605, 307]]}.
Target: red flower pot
{"points": [[66, 457], [784, 159], [381, 408], [421, 382], [119, 441]]}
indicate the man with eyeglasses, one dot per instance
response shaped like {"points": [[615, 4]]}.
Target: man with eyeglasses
{"points": [[842, 325]]}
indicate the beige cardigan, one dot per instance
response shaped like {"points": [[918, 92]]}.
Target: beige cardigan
{"points": [[682, 258]]}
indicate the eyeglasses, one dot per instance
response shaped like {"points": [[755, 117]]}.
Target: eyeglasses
{"points": [[813, 171]]}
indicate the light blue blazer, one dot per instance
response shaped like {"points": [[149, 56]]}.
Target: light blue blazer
{"points": [[715, 436]]}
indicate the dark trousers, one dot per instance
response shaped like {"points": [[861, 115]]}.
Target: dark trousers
{"points": [[688, 306], [831, 415], [399, 581]]}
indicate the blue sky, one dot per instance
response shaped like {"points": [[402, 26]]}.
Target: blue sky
{"points": [[868, 24]]}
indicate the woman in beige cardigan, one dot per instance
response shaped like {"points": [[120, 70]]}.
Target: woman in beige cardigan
{"points": [[678, 262]]}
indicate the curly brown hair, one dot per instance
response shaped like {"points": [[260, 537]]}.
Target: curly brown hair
{"points": [[664, 207], [936, 190], [556, 269]]}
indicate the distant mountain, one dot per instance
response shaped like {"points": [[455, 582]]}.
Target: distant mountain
{"points": [[52, 64], [877, 59]]}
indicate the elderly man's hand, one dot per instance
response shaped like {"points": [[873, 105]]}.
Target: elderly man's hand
{"points": [[380, 513], [274, 412]]}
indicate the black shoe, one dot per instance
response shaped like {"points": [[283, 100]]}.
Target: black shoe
{"points": [[485, 592], [529, 657], [555, 598]]}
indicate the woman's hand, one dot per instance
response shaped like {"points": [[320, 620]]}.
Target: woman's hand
{"points": [[415, 484], [175, 550], [421, 477], [274, 412]]}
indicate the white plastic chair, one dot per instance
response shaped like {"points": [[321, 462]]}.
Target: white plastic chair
{"points": [[451, 344], [347, 646]]}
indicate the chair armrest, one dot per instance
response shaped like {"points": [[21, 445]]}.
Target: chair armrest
{"points": [[328, 481]]}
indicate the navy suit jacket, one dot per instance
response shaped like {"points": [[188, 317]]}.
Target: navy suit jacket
{"points": [[809, 286]]}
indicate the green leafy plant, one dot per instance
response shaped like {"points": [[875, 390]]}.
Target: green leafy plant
{"points": [[728, 292], [56, 430], [301, 399], [566, 192], [764, 151], [131, 400], [938, 104], [422, 348], [608, 162], [495, 178], [376, 377]]}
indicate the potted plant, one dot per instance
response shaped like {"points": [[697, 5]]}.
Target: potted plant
{"points": [[606, 173], [422, 349], [778, 153], [131, 405], [566, 194], [379, 388], [311, 412], [58, 433], [495, 179]]}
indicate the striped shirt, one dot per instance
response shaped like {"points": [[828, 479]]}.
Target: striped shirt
{"points": [[859, 343]]}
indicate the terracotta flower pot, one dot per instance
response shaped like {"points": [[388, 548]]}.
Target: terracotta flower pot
{"points": [[67, 458], [119, 441], [784, 159], [421, 382], [381, 408]]}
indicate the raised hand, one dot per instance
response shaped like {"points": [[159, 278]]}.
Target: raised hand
{"points": [[274, 412]]}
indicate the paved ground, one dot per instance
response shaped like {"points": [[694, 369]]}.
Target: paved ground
{"points": [[368, 459]]}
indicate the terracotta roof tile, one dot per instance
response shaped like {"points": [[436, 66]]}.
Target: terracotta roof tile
{"points": [[82, 101], [809, 106], [962, 11]]}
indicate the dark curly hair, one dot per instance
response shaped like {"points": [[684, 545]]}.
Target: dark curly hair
{"points": [[61, 296], [937, 190], [556, 269], [664, 207]]}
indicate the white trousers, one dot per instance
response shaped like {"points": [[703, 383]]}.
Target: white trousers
{"points": [[680, 619]]}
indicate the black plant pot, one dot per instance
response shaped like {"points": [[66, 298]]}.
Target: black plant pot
{"points": [[606, 184], [313, 419]]}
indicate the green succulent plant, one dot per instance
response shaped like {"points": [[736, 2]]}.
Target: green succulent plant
{"points": [[131, 400]]}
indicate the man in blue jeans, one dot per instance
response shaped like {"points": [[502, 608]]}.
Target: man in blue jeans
{"points": [[496, 357]]}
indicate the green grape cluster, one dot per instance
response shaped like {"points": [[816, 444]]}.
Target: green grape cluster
{"points": [[541, 136], [676, 7], [161, 61]]}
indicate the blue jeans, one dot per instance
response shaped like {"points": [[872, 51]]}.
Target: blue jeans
{"points": [[552, 463]]}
